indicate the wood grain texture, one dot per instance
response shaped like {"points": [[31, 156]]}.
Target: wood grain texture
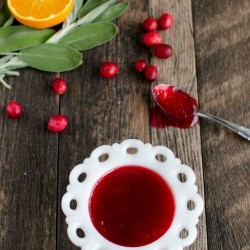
{"points": [[35, 164], [180, 71], [104, 111], [28, 165], [222, 38]]}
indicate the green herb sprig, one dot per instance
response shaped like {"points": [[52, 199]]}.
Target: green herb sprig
{"points": [[88, 25]]}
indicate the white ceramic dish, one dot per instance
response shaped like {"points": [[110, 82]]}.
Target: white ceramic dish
{"points": [[79, 190]]}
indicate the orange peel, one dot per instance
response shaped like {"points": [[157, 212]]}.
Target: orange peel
{"points": [[40, 14]]}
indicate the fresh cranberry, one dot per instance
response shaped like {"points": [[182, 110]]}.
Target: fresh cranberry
{"points": [[59, 85], [151, 38], [150, 24], [162, 50], [109, 69], [57, 123], [150, 73], [140, 65], [165, 21], [14, 109]]}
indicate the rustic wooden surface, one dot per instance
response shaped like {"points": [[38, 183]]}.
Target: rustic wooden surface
{"points": [[211, 61], [222, 39]]}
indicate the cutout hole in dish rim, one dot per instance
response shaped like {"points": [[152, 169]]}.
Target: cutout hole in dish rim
{"points": [[80, 233], [182, 177], [73, 204], [82, 177], [129, 186], [132, 151], [183, 233], [191, 205], [104, 157], [161, 158]]}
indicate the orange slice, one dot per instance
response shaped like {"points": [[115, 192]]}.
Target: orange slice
{"points": [[40, 14]]}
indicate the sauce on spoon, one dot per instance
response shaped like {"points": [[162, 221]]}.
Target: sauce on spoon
{"points": [[175, 108]]}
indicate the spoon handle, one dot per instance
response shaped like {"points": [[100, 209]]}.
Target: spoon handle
{"points": [[240, 130]]}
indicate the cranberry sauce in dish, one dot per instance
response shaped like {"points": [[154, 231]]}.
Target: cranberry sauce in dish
{"points": [[131, 200], [132, 206]]}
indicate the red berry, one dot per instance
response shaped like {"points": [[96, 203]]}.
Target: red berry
{"points": [[150, 24], [109, 69], [151, 38], [59, 85], [150, 73], [165, 21], [162, 50], [14, 109], [57, 123], [140, 65]]}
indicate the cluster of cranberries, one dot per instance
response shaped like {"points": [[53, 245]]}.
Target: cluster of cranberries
{"points": [[56, 123], [150, 72], [151, 38]]}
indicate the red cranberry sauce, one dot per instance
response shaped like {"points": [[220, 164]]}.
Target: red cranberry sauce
{"points": [[132, 206], [179, 108]]}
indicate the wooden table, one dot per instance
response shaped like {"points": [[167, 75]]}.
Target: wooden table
{"points": [[211, 61]]}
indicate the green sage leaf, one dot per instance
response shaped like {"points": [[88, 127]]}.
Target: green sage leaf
{"points": [[113, 12], [92, 15], [13, 38], [89, 6], [89, 35], [51, 57], [73, 15]]}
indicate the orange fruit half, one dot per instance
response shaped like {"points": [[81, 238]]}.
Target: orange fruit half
{"points": [[40, 14]]}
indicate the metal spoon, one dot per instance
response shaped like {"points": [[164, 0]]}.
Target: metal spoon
{"points": [[240, 130]]}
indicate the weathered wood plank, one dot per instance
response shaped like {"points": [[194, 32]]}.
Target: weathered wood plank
{"points": [[104, 111], [222, 38], [126, 114], [28, 165], [180, 71]]}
